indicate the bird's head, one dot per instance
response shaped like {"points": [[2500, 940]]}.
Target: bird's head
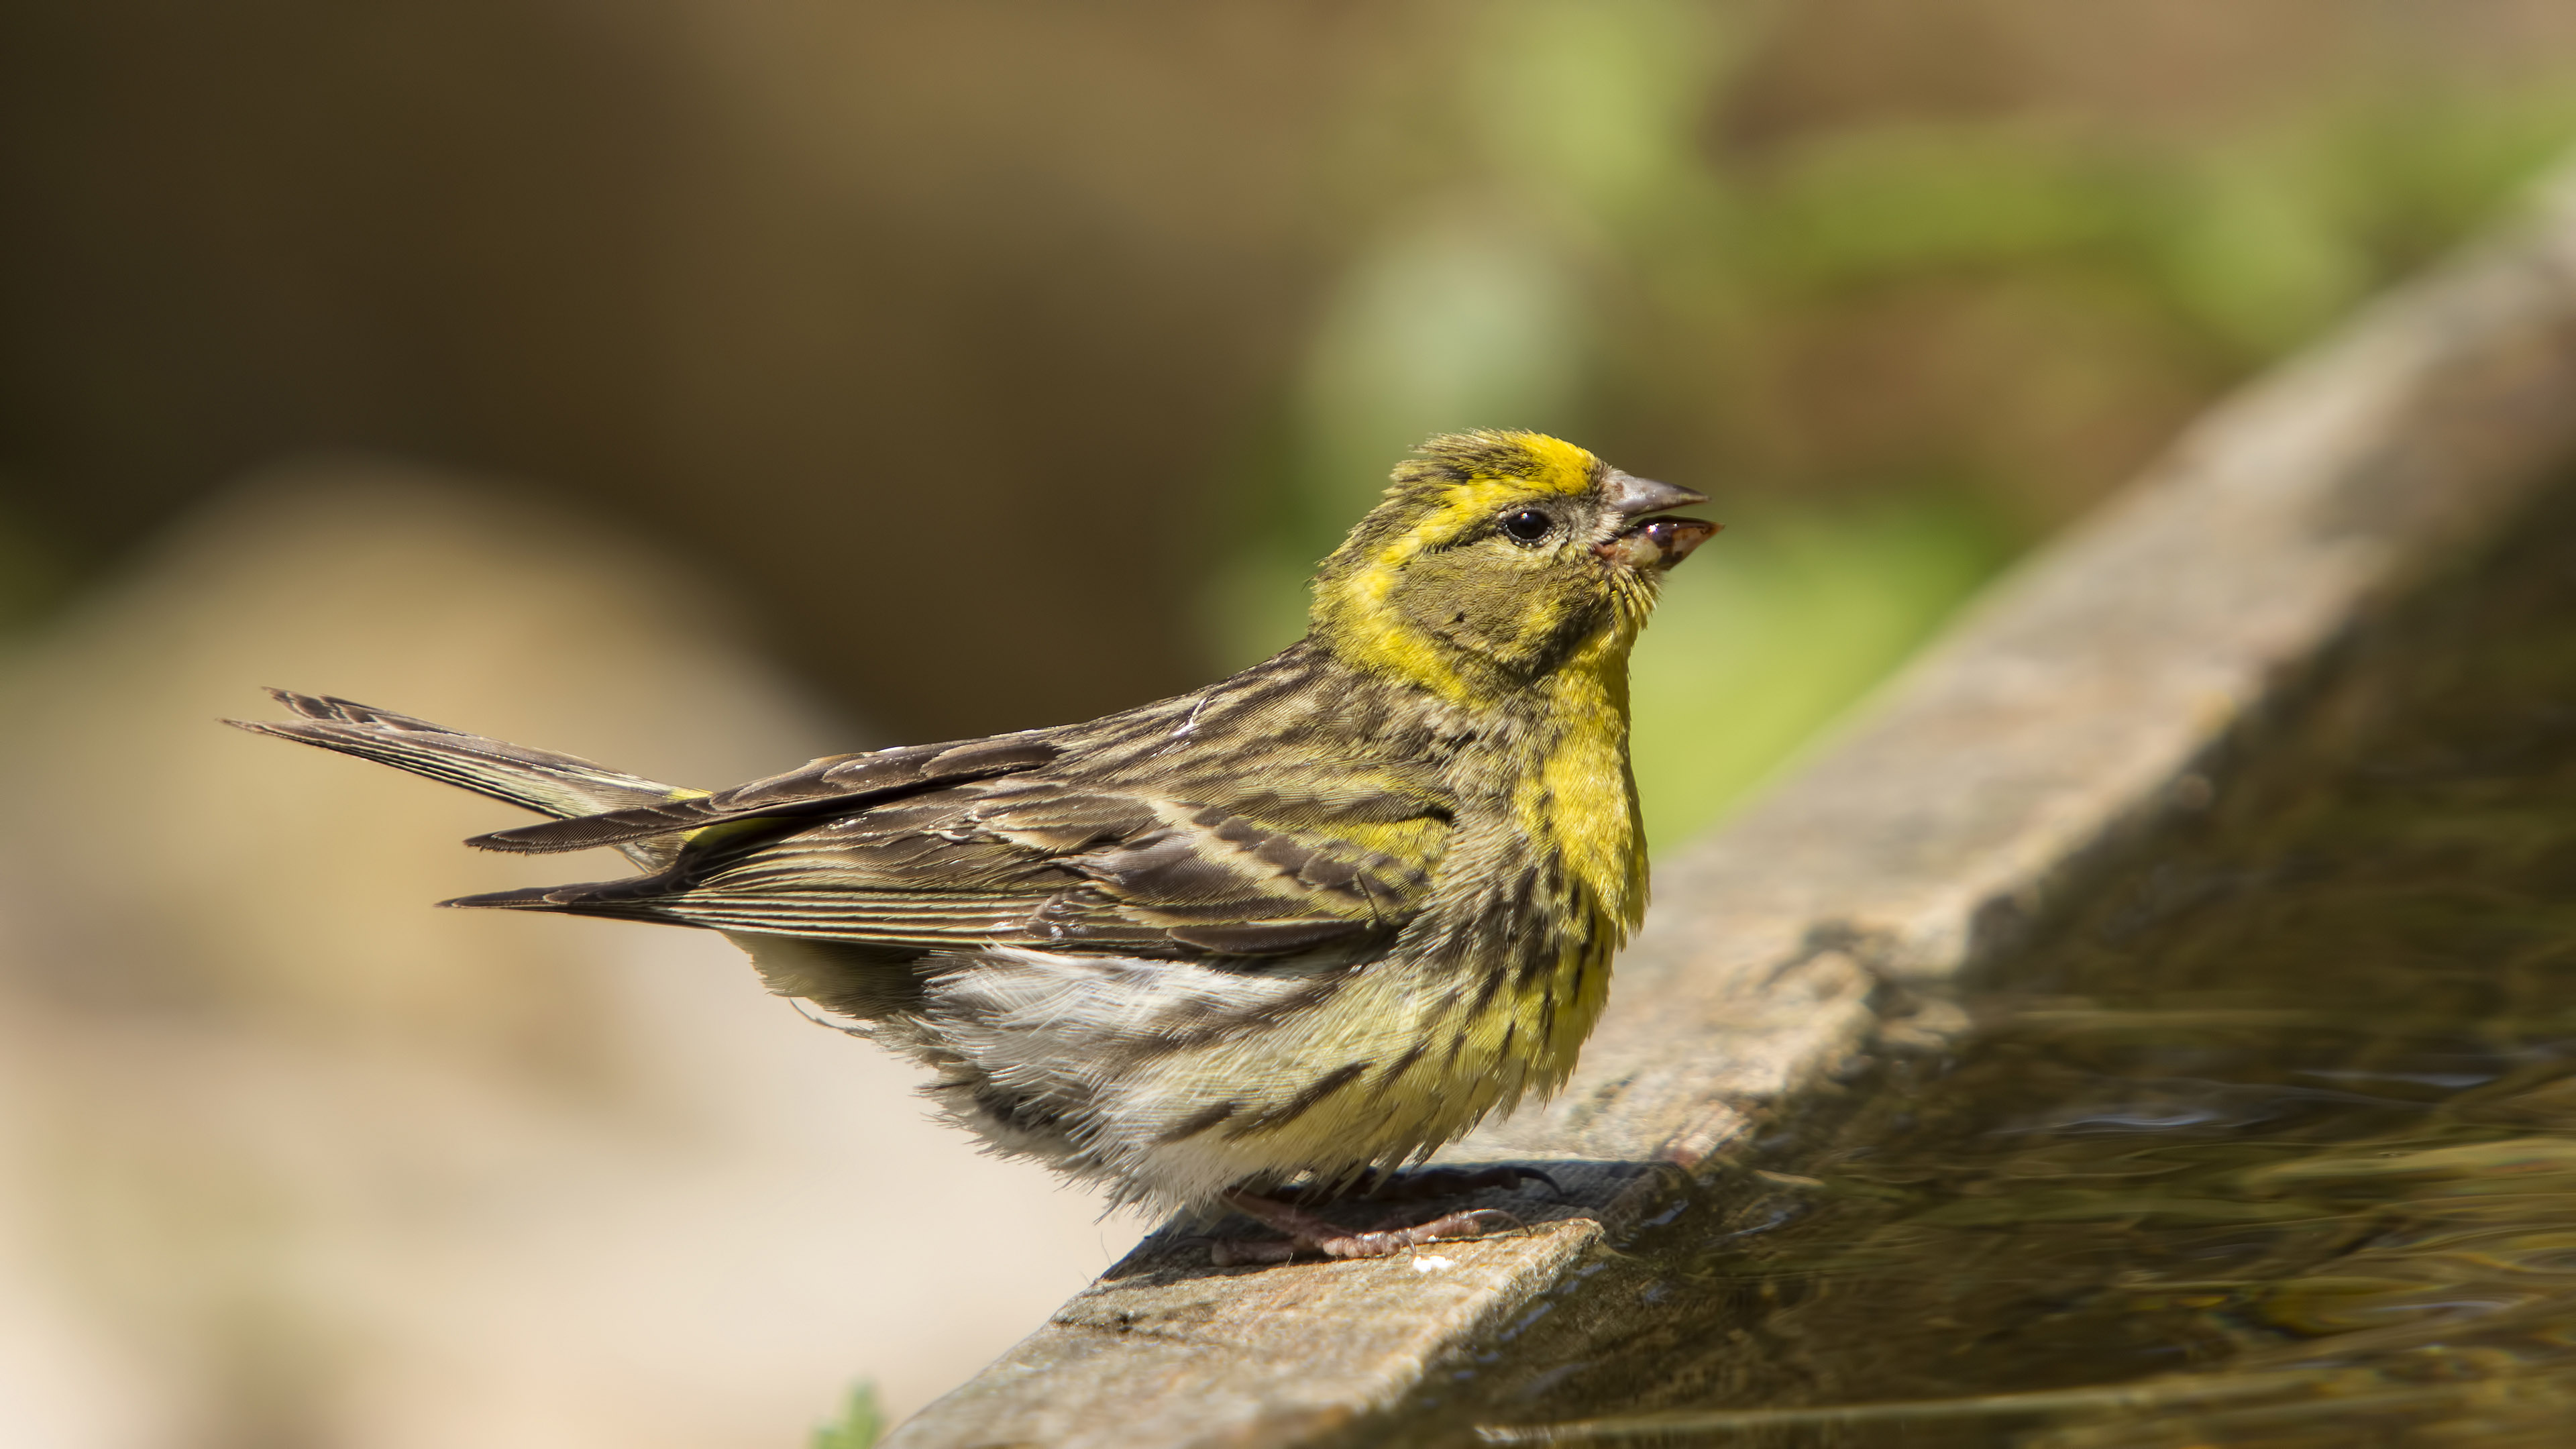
{"points": [[1499, 558]]}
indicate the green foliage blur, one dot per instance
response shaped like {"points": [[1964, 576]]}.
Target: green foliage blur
{"points": [[1896, 346], [1906, 285], [860, 1425]]}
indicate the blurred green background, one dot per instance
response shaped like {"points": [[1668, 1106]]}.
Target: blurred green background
{"points": [[1071, 335], [701, 384]]}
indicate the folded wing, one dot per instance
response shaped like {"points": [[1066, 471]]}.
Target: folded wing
{"points": [[1024, 857], [832, 784]]}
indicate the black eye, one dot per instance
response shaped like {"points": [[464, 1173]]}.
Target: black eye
{"points": [[1528, 525]]}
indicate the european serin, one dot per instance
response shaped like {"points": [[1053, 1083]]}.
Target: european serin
{"points": [[1292, 930]]}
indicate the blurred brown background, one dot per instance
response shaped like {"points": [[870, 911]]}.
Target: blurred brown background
{"points": [[702, 386]]}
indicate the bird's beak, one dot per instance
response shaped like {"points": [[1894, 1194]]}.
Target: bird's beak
{"points": [[1652, 542], [1637, 497]]}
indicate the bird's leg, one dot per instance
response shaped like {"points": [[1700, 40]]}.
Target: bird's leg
{"points": [[1303, 1231]]}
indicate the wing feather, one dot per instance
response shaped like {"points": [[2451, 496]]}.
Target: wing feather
{"points": [[833, 783], [1094, 838]]}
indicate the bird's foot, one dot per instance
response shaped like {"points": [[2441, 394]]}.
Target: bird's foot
{"points": [[1305, 1232]]}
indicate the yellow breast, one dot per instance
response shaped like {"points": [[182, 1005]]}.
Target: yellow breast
{"points": [[1581, 800]]}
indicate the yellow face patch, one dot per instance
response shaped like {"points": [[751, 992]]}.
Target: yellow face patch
{"points": [[1379, 605], [1520, 464]]}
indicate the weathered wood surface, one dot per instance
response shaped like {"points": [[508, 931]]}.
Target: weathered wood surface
{"points": [[2091, 693]]}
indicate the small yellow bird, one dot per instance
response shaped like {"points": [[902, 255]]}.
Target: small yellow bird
{"points": [[1273, 937]]}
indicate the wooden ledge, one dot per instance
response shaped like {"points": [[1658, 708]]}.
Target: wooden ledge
{"points": [[2089, 696]]}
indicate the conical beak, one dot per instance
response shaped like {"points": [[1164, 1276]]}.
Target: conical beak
{"points": [[1637, 497], [1657, 543]]}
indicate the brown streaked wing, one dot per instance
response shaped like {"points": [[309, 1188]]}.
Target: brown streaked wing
{"points": [[1091, 872], [833, 783], [1137, 834]]}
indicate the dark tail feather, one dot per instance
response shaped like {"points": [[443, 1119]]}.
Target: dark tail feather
{"points": [[528, 898], [620, 828], [541, 898], [636, 898], [562, 786]]}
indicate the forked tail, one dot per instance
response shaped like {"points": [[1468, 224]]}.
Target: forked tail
{"points": [[550, 784]]}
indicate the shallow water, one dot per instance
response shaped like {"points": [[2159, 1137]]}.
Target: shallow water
{"points": [[2270, 1141]]}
